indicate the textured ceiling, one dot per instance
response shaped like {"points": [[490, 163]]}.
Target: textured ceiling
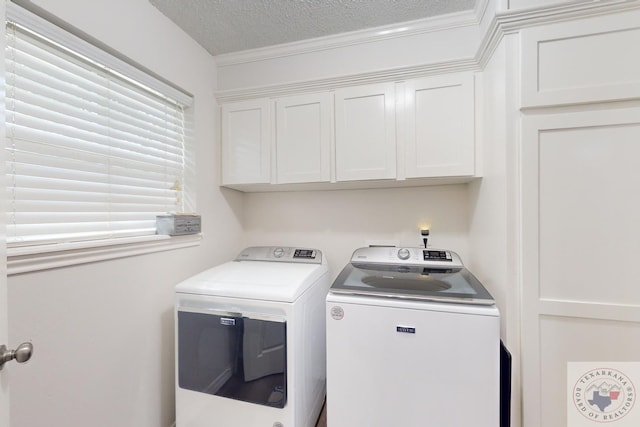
{"points": [[223, 26]]}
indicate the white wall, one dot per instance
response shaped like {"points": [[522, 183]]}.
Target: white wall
{"points": [[488, 220], [103, 332], [493, 235], [338, 222]]}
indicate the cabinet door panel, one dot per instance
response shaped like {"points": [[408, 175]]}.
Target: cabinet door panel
{"points": [[246, 142], [587, 60], [440, 126], [580, 238], [365, 133], [303, 138]]}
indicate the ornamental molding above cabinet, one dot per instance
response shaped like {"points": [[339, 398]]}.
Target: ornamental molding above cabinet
{"points": [[488, 29]]}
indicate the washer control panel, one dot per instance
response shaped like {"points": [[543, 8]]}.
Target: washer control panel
{"points": [[409, 256], [429, 255], [281, 254], [404, 253]]}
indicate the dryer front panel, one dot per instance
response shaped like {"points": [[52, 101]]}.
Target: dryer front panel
{"points": [[233, 355]]}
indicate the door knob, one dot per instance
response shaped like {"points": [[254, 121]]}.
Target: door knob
{"points": [[20, 354]]}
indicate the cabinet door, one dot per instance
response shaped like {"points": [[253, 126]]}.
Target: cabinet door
{"points": [[580, 299], [246, 142], [303, 138], [586, 60], [440, 134], [365, 132]]}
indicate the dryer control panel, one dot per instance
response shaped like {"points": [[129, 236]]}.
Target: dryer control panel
{"points": [[281, 254]]}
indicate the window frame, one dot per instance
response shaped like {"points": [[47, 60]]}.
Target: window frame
{"points": [[22, 259]]}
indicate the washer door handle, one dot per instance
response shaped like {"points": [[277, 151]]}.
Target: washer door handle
{"points": [[21, 354]]}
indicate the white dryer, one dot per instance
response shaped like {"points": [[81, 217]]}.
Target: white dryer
{"points": [[413, 340], [250, 341]]}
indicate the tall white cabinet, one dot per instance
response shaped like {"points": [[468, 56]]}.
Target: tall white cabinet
{"points": [[580, 207], [580, 192]]}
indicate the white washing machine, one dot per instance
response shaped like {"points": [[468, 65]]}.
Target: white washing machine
{"points": [[413, 340], [250, 341]]}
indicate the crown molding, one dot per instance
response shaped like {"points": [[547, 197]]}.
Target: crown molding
{"points": [[501, 24], [404, 29], [513, 21], [319, 85]]}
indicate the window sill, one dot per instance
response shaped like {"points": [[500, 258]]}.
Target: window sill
{"points": [[36, 258]]}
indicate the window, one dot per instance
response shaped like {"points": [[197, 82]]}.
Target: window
{"points": [[96, 147]]}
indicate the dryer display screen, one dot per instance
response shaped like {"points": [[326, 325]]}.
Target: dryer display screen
{"points": [[304, 253]]}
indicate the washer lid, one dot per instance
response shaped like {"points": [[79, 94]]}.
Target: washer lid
{"points": [[256, 280], [417, 282]]}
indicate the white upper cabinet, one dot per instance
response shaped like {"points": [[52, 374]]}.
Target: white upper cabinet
{"points": [[365, 132], [439, 126], [246, 142], [384, 134], [303, 138]]}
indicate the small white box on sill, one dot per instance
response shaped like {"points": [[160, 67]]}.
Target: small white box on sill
{"points": [[178, 224]]}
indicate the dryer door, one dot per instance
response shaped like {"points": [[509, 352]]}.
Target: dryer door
{"points": [[232, 355], [263, 349]]}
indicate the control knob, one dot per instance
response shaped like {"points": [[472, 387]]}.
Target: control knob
{"points": [[404, 253], [278, 252]]}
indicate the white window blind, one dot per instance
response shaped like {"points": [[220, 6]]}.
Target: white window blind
{"points": [[92, 153]]}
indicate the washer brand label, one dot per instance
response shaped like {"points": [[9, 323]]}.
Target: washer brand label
{"points": [[337, 313], [227, 321], [602, 393], [405, 329]]}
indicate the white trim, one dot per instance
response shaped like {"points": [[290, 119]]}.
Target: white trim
{"points": [[511, 22], [420, 26], [501, 24], [589, 310], [31, 21], [381, 76], [44, 257]]}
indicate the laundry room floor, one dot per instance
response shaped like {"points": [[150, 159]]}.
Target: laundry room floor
{"points": [[322, 419]]}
